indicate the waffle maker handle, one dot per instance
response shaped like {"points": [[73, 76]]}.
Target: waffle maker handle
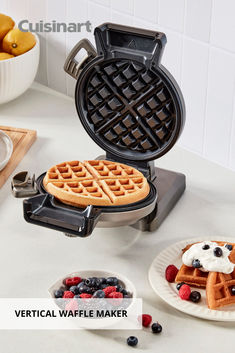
{"points": [[39, 210], [116, 41], [72, 66]]}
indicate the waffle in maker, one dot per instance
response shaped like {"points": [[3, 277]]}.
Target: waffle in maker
{"points": [[133, 109]]}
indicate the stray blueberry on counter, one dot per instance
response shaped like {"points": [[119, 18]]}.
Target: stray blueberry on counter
{"points": [[196, 263], [59, 293], [218, 252], [99, 294], [233, 290], [179, 285], [132, 341], [206, 247], [156, 327], [229, 247], [195, 296]]}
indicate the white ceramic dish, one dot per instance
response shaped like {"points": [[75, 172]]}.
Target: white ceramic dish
{"points": [[18, 73], [168, 292], [6, 149], [96, 323]]}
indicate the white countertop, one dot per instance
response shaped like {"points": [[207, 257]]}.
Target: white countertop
{"points": [[32, 258]]}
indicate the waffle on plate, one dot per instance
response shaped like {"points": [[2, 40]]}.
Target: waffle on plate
{"points": [[96, 182]]}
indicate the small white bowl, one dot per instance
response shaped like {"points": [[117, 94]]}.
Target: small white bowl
{"points": [[6, 149], [96, 323], [18, 73]]}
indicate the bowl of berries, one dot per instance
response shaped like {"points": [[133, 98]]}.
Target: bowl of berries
{"points": [[102, 291]]}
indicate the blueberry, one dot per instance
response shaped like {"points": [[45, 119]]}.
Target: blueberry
{"points": [[102, 280], [206, 247], [59, 293], [195, 296], [80, 284], [218, 252], [77, 296], [112, 281], [156, 327], [132, 341], [102, 286], [233, 290], [119, 288], [74, 289], [124, 291], [99, 294], [84, 289], [229, 247], [179, 285], [196, 263], [92, 282]]}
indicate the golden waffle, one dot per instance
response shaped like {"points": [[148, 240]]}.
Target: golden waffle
{"points": [[101, 183], [192, 276], [111, 170], [218, 289]]}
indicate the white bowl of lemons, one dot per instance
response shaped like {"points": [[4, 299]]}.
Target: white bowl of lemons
{"points": [[19, 58]]}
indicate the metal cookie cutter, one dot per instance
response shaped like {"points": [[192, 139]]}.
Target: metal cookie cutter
{"points": [[23, 185]]}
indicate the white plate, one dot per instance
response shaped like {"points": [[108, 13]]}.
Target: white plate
{"points": [[6, 149], [168, 292]]}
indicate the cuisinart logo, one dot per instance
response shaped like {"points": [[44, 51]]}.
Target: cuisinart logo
{"points": [[54, 26]]}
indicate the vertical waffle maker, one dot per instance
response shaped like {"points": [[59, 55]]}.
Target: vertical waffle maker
{"points": [[131, 106]]}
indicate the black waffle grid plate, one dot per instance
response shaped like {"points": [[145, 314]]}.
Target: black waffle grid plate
{"points": [[129, 110]]}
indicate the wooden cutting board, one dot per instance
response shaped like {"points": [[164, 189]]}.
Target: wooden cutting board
{"points": [[22, 140]]}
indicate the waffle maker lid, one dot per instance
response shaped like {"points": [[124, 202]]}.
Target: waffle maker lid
{"points": [[127, 101]]}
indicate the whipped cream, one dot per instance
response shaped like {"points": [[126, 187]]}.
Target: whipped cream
{"points": [[197, 256]]}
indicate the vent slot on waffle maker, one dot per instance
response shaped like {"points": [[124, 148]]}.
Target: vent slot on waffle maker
{"points": [[131, 106]]}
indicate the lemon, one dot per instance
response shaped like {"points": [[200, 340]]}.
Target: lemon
{"points": [[17, 42], [6, 24], [4, 56]]}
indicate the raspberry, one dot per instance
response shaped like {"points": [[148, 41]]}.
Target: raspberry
{"points": [[185, 292], [115, 295], [72, 281], [85, 295], [68, 294], [72, 305], [145, 319], [171, 272], [109, 290]]}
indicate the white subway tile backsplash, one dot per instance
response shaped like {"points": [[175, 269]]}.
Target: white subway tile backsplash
{"points": [[125, 6], [4, 7], [171, 14], [123, 19], [56, 47], [76, 12], [220, 99], [194, 86], [198, 19], [172, 56], [37, 12], [98, 14], [223, 24], [147, 10], [232, 144]]}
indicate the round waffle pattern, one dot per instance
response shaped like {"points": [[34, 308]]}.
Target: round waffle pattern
{"points": [[130, 109], [96, 182]]}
